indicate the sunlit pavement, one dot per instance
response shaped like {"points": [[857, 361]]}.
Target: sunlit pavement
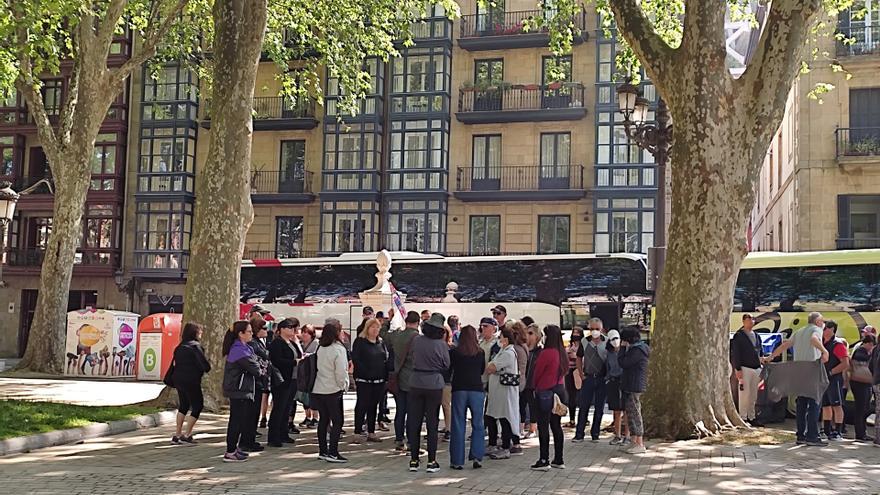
{"points": [[144, 462]]}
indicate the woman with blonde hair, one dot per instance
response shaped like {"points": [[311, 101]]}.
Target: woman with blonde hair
{"points": [[370, 359]]}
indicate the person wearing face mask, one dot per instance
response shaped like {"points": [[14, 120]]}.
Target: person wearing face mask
{"points": [[591, 366], [612, 388], [572, 378]]}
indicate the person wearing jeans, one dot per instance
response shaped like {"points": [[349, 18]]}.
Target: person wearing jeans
{"points": [[369, 357], [591, 365], [807, 345], [466, 366], [326, 396], [430, 355], [403, 364], [549, 378]]}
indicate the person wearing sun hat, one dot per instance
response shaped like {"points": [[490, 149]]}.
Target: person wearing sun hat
{"points": [[430, 355]]}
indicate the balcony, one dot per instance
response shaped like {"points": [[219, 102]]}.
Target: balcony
{"points": [[521, 103], [282, 186], [505, 30], [279, 113], [520, 183], [273, 254], [857, 144], [863, 40], [87, 261], [858, 243]]}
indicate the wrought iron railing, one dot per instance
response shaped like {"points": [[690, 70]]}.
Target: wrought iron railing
{"points": [[296, 180], [857, 141], [864, 40], [513, 97], [520, 178], [498, 23], [31, 257]]}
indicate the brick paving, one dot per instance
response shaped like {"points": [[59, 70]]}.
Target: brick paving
{"points": [[143, 462]]}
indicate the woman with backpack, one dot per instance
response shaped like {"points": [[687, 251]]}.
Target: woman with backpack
{"points": [[240, 375], [190, 364], [331, 381], [551, 367]]}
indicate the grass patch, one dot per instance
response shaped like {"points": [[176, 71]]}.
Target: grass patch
{"points": [[754, 436], [19, 418]]}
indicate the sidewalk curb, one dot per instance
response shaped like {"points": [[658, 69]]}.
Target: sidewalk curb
{"points": [[18, 445]]}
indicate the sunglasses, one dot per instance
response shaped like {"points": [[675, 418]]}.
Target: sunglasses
{"points": [[615, 338]]}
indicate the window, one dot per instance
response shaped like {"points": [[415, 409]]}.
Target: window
{"points": [[559, 64], [288, 237], [10, 153], [351, 156], [101, 235], [555, 155], [167, 159], [162, 234], [348, 226], [553, 234], [418, 226], [860, 23], [292, 172], [624, 225], [490, 18], [488, 72], [421, 145], [485, 237], [486, 158], [858, 221], [171, 95], [11, 111], [371, 104], [864, 117], [421, 70], [104, 163], [52, 96]]}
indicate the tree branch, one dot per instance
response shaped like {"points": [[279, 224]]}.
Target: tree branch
{"points": [[65, 120], [656, 56], [150, 44], [703, 34], [766, 82], [107, 28]]}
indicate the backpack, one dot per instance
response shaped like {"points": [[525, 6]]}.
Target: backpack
{"points": [[307, 372]]}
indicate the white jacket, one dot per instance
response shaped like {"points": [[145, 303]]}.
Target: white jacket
{"points": [[332, 374]]}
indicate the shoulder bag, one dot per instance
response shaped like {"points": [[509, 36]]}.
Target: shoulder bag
{"points": [[393, 384], [859, 372]]}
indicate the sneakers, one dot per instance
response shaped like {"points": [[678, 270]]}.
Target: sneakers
{"points": [[446, 435], [288, 440], [186, 440], [516, 450], [491, 449], [625, 441], [263, 423], [372, 437], [381, 426], [636, 449], [413, 465], [577, 440], [400, 446], [292, 429], [432, 467], [175, 440], [241, 452], [322, 456], [307, 423], [817, 443], [865, 439], [335, 458], [557, 465], [541, 465], [835, 437], [359, 438], [478, 464], [252, 448], [616, 441], [594, 439], [500, 454], [276, 445], [801, 441], [234, 457], [456, 468]]}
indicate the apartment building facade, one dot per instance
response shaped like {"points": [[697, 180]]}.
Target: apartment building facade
{"points": [[465, 145], [820, 183]]}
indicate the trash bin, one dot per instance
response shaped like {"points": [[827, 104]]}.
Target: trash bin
{"points": [[100, 342], [159, 335]]}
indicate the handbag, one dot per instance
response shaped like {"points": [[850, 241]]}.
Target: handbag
{"points": [[559, 408], [509, 379], [393, 384], [861, 373], [167, 379], [578, 381]]}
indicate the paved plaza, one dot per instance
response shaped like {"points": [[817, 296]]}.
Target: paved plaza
{"points": [[143, 462]]}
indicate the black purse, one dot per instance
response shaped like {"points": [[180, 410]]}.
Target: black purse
{"points": [[509, 379], [168, 380]]}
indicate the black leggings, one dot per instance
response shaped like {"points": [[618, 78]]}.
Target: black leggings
{"points": [[547, 422], [329, 406], [282, 396], [862, 394], [572, 393], [423, 404], [367, 406], [506, 431], [237, 415], [190, 399], [251, 418]]}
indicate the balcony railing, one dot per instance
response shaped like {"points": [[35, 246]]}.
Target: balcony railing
{"points": [[295, 181], [496, 23], [557, 101], [22, 182], [863, 40], [33, 257], [278, 113], [271, 254], [858, 141], [861, 243], [520, 178]]}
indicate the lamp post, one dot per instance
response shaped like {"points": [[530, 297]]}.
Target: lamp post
{"points": [[657, 139], [8, 199]]}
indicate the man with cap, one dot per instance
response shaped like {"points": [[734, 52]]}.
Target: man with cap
{"points": [[499, 312], [591, 358], [746, 352], [832, 400], [490, 346], [401, 343], [366, 314]]}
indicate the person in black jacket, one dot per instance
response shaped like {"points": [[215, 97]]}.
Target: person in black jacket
{"points": [[370, 361], [249, 432], [633, 359], [746, 352], [283, 356], [241, 372], [190, 364]]}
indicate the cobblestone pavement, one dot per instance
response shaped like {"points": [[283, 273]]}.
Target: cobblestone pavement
{"points": [[144, 462]]}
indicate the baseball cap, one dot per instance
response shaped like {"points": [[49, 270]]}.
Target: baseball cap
{"points": [[487, 321], [368, 310], [256, 308], [380, 315], [747, 316], [412, 317], [499, 309], [869, 329], [613, 334]]}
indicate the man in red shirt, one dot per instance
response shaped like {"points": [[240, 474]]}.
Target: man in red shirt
{"points": [[832, 400]]}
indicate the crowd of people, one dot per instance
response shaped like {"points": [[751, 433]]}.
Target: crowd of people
{"points": [[511, 379]]}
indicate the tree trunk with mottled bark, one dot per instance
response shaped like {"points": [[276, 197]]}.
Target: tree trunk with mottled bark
{"points": [[223, 211]]}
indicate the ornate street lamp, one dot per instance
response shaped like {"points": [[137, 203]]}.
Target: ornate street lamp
{"points": [[655, 138], [8, 199]]}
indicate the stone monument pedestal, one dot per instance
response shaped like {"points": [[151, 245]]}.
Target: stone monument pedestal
{"points": [[381, 296]]}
